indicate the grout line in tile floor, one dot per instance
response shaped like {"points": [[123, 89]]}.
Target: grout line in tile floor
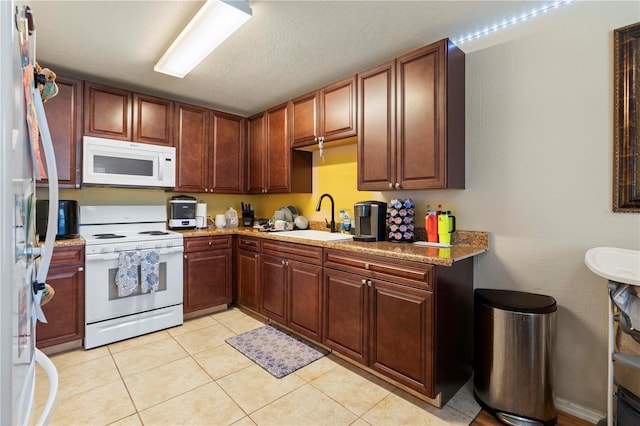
{"points": [[192, 376]]}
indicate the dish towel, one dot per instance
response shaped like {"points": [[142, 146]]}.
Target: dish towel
{"points": [[127, 278], [149, 267]]}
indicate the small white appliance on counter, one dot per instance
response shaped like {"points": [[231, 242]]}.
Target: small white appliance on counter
{"points": [[133, 272], [111, 162], [183, 212]]}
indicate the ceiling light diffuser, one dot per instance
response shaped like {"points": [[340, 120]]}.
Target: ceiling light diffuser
{"points": [[213, 23]]}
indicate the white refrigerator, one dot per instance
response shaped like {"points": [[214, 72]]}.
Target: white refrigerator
{"points": [[23, 264]]}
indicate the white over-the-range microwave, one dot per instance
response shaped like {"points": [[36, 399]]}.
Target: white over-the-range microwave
{"points": [[112, 162]]}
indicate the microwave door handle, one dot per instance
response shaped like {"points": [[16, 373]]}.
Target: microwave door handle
{"points": [[160, 166]]}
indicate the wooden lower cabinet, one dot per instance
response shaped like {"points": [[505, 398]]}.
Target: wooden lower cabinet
{"points": [[402, 334], [207, 272], [274, 286], [385, 326], [248, 273], [65, 312], [304, 291], [346, 319], [409, 321], [292, 286]]}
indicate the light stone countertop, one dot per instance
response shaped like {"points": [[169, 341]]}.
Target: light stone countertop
{"points": [[465, 244]]}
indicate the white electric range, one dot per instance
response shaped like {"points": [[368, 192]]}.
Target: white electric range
{"points": [[117, 237]]}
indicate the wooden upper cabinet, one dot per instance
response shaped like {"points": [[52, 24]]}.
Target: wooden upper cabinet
{"points": [[227, 153], [278, 151], [191, 139], [256, 149], [339, 110], [305, 125], [107, 111], [152, 120], [64, 116], [377, 137], [329, 113], [273, 167], [428, 151]]}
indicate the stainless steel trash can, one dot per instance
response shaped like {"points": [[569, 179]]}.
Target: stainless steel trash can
{"points": [[514, 335]]}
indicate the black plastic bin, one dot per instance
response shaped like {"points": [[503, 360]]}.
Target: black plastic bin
{"points": [[514, 334]]}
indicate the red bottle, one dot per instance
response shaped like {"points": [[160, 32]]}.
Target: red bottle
{"points": [[431, 225]]}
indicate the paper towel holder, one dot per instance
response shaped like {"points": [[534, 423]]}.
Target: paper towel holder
{"points": [[201, 215]]}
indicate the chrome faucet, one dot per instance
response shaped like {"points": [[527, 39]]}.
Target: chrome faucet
{"points": [[331, 225]]}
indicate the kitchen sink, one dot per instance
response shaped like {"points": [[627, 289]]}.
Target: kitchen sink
{"points": [[312, 234], [614, 264]]}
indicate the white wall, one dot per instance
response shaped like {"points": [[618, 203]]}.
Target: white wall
{"points": [[539, 140]]}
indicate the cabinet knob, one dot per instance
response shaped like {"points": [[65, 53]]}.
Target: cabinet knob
{"points": [[390, 185], [209, 243], [397, 185], [255, 256], [369, 283], [185, 256], [283, 262], [206, 190], [364, 282], [366, 266], [81, 268]]}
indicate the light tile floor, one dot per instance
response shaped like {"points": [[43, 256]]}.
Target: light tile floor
{"points": [[189, 375]]}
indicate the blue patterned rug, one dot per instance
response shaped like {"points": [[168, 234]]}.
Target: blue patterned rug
{"points": [[275, 350]]}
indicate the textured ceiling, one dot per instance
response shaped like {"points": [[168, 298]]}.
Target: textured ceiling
{"points": [[286, 49]]}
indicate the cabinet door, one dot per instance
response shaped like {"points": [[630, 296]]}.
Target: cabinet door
{"points": [[278, 154], [402, 335], [207, 279], [191, 142], [376, 137], [152, 120], [227, 155], [273, 292], [248, 279], [305, 298], [256, 147], [346, 314], [338, 115], [107, 112], [64, 116], [304, 120], [421, 125], [65, 312]]}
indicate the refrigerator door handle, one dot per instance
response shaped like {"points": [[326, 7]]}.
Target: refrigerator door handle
{"points": [[52, 228], [52, 373]]}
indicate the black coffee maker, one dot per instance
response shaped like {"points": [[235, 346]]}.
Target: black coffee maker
{"points": [[371, 224]]}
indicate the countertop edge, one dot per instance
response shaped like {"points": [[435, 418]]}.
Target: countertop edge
{"points": [[410, 252]]}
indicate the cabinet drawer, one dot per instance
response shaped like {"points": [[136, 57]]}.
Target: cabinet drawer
{"points": [[248, 243], [399, 271], [207, 243], [68, 256], [301, 252]]}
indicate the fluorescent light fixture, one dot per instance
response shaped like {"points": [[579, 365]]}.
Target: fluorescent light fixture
{"points": [[516, 20], [213, 23]]}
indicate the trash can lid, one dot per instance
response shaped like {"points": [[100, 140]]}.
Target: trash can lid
{"points": [[517, 301]]}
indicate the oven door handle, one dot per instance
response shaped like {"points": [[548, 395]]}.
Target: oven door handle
{"points": [[113, 256]]}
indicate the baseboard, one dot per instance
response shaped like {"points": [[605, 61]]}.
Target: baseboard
{"points": [[579, 411]]}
